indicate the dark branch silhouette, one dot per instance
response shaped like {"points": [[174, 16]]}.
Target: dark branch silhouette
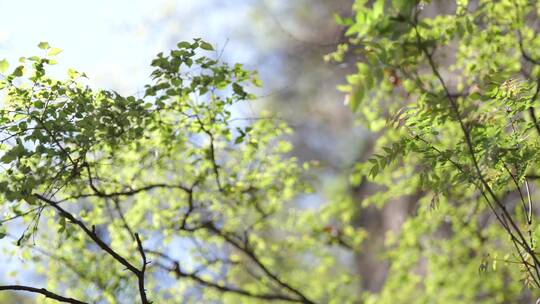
{"points": [[42, 291]]}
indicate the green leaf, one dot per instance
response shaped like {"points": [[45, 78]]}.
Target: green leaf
{"points": [[54, 51], [356, 97], [30, 199], [403, 6], [4, 65], [44, 45], [72, 74], [18, 72], [378, 8], [184, 45], [62, 225], [238, 89], [7, 158], [206, 46], [3, 232]]}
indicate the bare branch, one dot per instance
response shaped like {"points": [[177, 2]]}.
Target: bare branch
{"points": [[244, 248], [103, 245], [140, 275], [43, 291], [179, 273]]}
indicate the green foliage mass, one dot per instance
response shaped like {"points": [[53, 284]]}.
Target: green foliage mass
{"points": [[167, 198], [451, 92]]}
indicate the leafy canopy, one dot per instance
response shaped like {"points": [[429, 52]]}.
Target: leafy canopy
{"points": [[166, 198], [451, 87]]}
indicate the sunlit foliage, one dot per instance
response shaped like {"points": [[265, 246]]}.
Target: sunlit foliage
{"points": [[167, 198], [450, 87]]}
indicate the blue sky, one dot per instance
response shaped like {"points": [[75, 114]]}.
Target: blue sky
{"points": [[113, 41]]}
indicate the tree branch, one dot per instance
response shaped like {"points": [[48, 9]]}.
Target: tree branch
{"points": [[249, 253], [140, 275], [102, 194], [534, 61], [101, 244], [43, 291], [505, 218], [179, 273]]}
